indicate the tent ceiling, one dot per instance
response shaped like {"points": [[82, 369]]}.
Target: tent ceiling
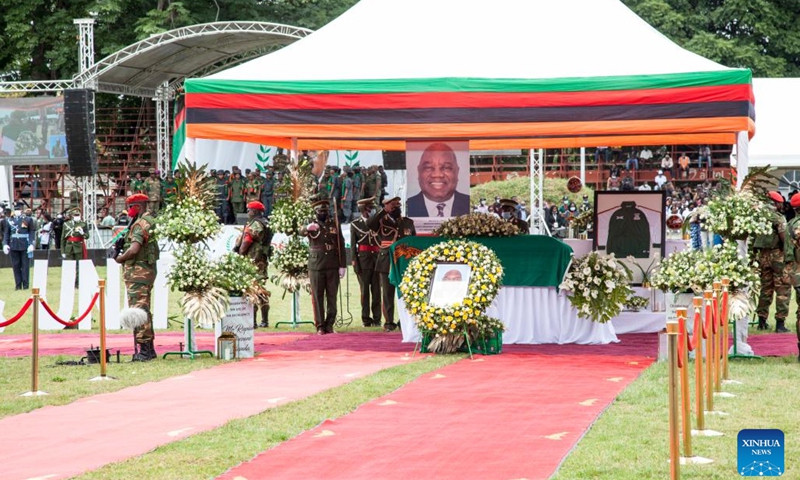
{"points": [[142, 67], [778, 139]]}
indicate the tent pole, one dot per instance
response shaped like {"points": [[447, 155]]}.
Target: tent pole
{"points": [[294, 155], [742, 157], [583, 165]]}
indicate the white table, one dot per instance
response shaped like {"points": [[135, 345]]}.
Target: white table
{"points": [[582, 247]]}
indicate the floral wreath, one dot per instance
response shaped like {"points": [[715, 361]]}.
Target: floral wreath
{"points": [[484, 284]]}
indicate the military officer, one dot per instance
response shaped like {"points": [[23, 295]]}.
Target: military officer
{"points": [[153, 191], [267, 193], [255, 242], [19, 240], [508, 209], [771, 257], [139, 257], [389, 226], [326, 265], [73, 240], [137, 184], [364, 250], [169, 189], [223, 195], [236, 192]]}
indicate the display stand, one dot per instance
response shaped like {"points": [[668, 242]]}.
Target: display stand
{"points": [[735, 353], [295, 312], [189, 351]]}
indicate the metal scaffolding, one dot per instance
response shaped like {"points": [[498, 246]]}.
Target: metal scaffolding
{"points": [[162, 128], [538, 224]]}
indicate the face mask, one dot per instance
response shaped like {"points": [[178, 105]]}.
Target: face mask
{"points": [[483, 202], [506, 215], [17, 213], [77, 218], [322, 216], [566, 202], [133, 210], [572, 209], [396, 213]]}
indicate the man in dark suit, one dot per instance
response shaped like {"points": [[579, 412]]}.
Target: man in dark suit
{"points": [[19, 238], [438, 179]]}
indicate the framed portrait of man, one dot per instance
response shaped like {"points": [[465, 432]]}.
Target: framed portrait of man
{"points": [[631, 225], [438, 180], [450, 284]]}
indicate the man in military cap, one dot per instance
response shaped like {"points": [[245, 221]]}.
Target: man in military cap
{"points": [[73, 240], [19, 240], [153, 192], [253, 187], [326, 265], [137, 184], [139, 257], [255, 242], [169, 189], [389, 226], [236, 191], [509, 214], [222, 197], [364, 250], [771, 256], [267, 193]]}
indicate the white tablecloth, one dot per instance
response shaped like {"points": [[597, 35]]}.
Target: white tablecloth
{"points": [[582, 247], [533, 315]]}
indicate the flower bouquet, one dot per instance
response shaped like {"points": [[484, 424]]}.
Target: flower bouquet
{"points": [[598, 286], [635, 303], [291, 262], [239, 276], [477, 225], [194, 276], [187, 222], [737, 216], [697, 270], [289, 217]]}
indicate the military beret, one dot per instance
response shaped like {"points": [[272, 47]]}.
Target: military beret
{"points": [[320, 205], [775, 196], [366, 201], [136, 198], [795, 200], [390, 200], [256, 205]]}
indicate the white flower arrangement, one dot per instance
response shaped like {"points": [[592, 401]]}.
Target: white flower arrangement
{"points": [[737, 216], [235, 273], [289, 217], [291, 262], [193, 271], [485, 280], [187, 222], [598, 286], [697, 270]]}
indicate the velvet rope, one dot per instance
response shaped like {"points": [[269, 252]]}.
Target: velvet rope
{"points": [[708, 322], [19, 314], [77, 320], [681, 339], [698, 329], [714, 314]]}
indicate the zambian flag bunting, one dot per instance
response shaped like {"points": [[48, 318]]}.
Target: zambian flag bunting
{"points": [[179, 129]]}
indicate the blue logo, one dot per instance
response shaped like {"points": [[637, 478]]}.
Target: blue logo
{"points": [[761, 453]]}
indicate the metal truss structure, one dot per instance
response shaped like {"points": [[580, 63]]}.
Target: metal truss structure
{"points": [[538, 225], [164, 161]]}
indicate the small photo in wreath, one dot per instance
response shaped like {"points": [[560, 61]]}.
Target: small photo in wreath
{"points": [[450, 284]]}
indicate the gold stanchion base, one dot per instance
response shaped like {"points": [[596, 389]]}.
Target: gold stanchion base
{"points": [[724, 394], [101, 379], [37, 393], [706, 433], [732, 382], [696, 460]]}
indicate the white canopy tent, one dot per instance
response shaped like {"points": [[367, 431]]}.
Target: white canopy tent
{"points": [[778, 139]]}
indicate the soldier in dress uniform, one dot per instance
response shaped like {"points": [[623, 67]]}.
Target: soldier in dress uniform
{"points": [[153, 192], [771, 257], [389, 225], [19, 240], [73, 240], [255, 242], [267, 193], [508, 210], [236, 193], [364, 250], [326, 265], [139, 257]]}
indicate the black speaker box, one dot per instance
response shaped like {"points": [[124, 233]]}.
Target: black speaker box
{"points": [[79, 126], [394, 160]]}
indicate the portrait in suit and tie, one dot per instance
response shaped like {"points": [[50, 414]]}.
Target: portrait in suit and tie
{"points": [[440, 169]]}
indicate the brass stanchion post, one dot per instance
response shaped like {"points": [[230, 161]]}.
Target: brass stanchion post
{"points": [[674, 437], [686, 402], [725, 373], [35, 353], [709, 378], [101, 286], [717, 347], [698, 364]]}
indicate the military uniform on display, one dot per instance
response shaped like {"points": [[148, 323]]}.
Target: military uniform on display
{"points": [[389, 226], [775, 278], [509, 214], [19, 239], [326, 265], [139, 259], [73, 240], [153, 187], [364, 250], [236, 192], [255, 242]]}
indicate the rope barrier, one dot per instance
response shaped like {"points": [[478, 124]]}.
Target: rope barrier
{"points": [[682, 333], [18, 315], [77, 320]]}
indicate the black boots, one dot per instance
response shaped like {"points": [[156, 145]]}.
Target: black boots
{"points": [[780, 327], [264, 317], [762, 324], [145, 352]]}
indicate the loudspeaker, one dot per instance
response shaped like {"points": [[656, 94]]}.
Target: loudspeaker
{"points": [[394, 160], [79, 126]]}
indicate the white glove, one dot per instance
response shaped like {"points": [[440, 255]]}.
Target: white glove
{"points": [[341, 272], [30, 248], [6, 249], [312, 227], [64, 256], [79, 230]]}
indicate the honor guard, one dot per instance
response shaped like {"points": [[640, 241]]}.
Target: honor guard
{"points": [[793, 231], [771, 257], [508, 209], [364, 250], [169, 189], [389, 225], [255, 242], [73, 240], [267, 193], [326, 265], [139, 258], [236, 191], [19, 239], [153, 192]]}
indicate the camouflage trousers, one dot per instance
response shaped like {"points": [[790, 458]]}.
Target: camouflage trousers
{"points": [[154, 206], [139, 297], [775, 280]]}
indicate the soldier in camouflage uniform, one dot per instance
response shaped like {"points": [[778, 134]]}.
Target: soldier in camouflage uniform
{"points": [[73, 240], [389, 226], [326, 265], [137, 184], [267, 193], [771, 257], [254, 242], [236, 192], [153, 187], [169, 189], [793, 231], [139, 257]]}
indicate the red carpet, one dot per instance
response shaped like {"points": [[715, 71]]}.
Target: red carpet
{"points": [[501, 417], [59, 442], [774, 344]]}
